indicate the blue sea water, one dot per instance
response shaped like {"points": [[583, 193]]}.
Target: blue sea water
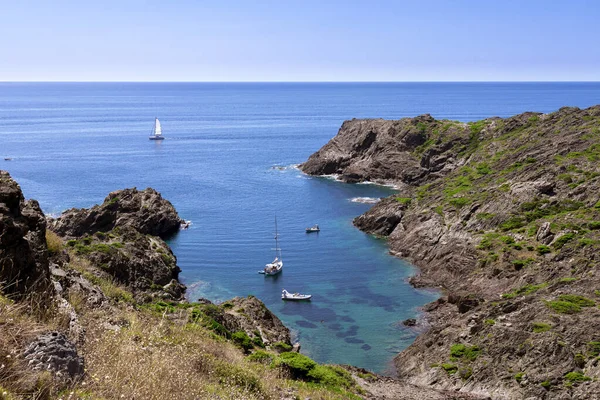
{"points": [[227, 165]]}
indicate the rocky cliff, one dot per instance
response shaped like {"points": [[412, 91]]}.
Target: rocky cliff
{"points": [[504, 216], [145, 211], [122, 238], [23, 252]]}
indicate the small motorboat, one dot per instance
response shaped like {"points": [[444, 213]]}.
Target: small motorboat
{"points": [[7, 159], [285, 295], [314, 228]]}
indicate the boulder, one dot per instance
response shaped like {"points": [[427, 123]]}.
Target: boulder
{"points": [[54, 352], [145, 211]]}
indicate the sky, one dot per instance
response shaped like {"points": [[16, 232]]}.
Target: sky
{"points": [[307, 40]]}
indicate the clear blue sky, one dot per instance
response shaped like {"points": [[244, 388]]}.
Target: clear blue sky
{"points": [[307, 40]]}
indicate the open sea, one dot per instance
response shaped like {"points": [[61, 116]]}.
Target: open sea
{"points": [[228, 165]]}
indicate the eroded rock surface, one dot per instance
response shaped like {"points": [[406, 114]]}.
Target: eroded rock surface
{"points": [[503, 215], [54, 352], [23, 251], [145, 211]]}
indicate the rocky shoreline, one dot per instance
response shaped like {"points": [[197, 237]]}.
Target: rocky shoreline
{"points": [[87, 293], [502, 215]]}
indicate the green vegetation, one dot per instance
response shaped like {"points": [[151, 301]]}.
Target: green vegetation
{"points": [[280, 346], [450, 368], [489, 322], [54, 243], [543, 249], [577, 299], [461, 351], [242, 340], [519, 376], [539, 327], [593, 349], [564, 307], [562, 240], [404, 200], [576, 376], [546, 385], [525, 290]]}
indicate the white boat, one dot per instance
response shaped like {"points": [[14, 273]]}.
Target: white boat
{"points": [[157, 131], [285, 295], [314, 228], [274, 267]]}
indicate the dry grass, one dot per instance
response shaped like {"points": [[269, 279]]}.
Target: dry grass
{"points": [[134, 353], [54, 243], [18, 327]]}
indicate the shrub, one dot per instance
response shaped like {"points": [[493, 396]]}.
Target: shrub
{"points": [[242, 340], [546, 385], [513, 223], [459, 202], [594, 225], [331, 375], [561, 241], [577, 299], [519, 376], [525, 290], [563, 307], [404, 200], [466, 352], [593, 349], [576, 376], [260, 356], [489, 322], [543, 249], [282, 347], [297, 364], [54, 243], [450, 368], [539, 327]]}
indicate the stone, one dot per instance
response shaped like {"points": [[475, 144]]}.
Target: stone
{"points": [[54, 352]]}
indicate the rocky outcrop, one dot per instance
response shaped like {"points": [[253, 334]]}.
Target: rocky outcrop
{"points": [[55, 353], [23, 250], [145, 211], [250, 315], [122, 238], [503, 216], [144, 263]]}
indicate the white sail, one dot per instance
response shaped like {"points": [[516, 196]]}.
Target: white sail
{"points": [[157, 128]]}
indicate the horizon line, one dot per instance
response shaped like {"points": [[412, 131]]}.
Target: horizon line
{"points": [[323, 81]]}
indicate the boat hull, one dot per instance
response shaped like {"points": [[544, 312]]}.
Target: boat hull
{"points": [[156, 138]]}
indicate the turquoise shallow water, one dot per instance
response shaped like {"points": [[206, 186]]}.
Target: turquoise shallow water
{"points": [[227, 165]]}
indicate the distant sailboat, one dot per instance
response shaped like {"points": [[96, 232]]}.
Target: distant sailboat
{"points": [[275, 267], [157, 131]]}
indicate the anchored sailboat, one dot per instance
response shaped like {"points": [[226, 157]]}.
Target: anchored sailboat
{"points": [[275, 267], [157, 131]]}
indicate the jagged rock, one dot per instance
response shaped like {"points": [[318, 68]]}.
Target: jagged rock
{"points": [[23, 250], [503, 177], [544, 234], [54, 352], [143, 263], [251, 315], [202, 300], [145, 211], [409, 322]]}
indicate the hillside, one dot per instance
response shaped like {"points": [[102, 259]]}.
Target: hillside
{"points": [[504, 216]]}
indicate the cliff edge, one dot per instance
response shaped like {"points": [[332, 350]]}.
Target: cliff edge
{"points": [[503, 215]]}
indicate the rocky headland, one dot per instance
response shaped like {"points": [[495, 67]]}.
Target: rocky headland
{"points": [[503, 215]]}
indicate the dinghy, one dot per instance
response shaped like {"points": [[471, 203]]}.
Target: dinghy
{"points": [[285, 295]]}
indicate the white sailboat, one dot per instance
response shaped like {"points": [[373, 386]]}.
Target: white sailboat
{"points": [[274, 267], [157, 131]]}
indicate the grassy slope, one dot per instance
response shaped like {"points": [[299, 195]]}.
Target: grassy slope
{"points": [[157, 350]]}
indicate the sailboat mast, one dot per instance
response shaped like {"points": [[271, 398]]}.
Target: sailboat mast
{"points": [[276, 238]]}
